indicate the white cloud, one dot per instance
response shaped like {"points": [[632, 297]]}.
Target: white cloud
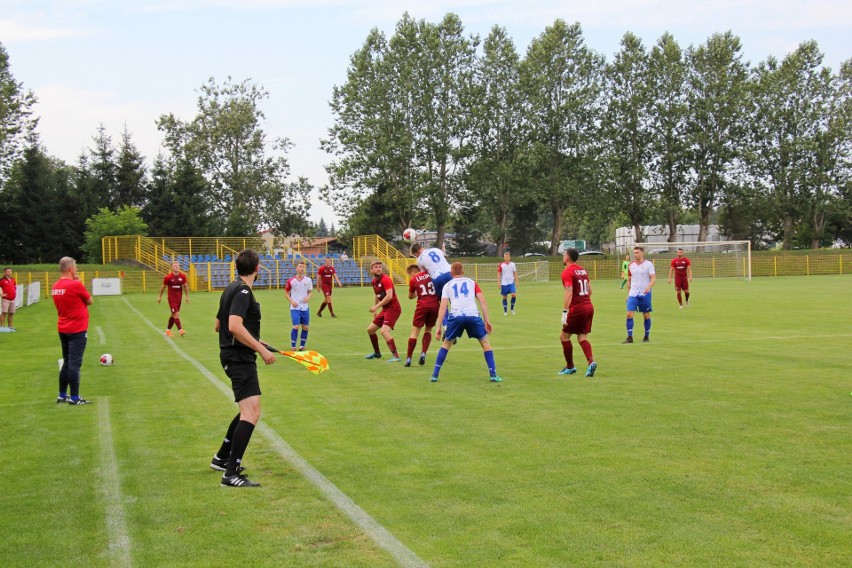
{"points": [[11, 31], [69, 117]]}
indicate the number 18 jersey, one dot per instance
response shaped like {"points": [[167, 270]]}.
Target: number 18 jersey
{"points": [[577, 277]]}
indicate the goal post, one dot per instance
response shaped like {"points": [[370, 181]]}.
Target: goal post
{"points": [[709, 259], [527, 271]]}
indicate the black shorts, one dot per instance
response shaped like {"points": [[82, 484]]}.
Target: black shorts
{"points": [[243, 379]]}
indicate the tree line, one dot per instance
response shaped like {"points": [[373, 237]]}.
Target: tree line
{"points": [[434, 127], [221, 175]]}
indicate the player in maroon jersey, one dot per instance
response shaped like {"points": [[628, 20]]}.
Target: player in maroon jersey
{"points": [[425, 314], [386, 300], [177, 285], [577, 313], [681, 268], [326, 274]]}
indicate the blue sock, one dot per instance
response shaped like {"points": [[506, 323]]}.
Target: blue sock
{"points": [[629, 327], [489, 360], [505, 305], [439, 360], [304, 337], [647, 326], [294, 335], [513, 302]]}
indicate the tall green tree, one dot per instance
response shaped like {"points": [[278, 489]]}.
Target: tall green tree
{"points": [[130, 174], [626, 126], [495, 174], [832, 155], [670, 160], [37, 209], [561, 80], [177, 201], [717, 81], [17, 122], [372, 138], [245, 172], [443, 118]]}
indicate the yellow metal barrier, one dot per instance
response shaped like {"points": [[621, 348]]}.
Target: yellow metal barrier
{"points": [[365, 247]]}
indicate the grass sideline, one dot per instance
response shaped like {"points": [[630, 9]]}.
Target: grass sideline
{"points": [[725, 441]]}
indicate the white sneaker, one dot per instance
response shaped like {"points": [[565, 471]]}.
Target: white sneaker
{"points": [[681, 306], [513, 312]]}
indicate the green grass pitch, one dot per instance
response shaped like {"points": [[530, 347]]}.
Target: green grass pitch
{"points": [[725, 441]]}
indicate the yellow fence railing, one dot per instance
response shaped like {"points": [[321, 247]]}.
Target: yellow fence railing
{"points": [[365, 247]]}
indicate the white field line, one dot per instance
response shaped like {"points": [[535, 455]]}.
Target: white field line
{"points": [[372, 528], [101, 336], [474, 346], [117, 538]]}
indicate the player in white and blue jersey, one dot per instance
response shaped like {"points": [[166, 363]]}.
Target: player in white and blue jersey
{"points": [[641, 277], [298, 292], [458, 299], [433, 261]]}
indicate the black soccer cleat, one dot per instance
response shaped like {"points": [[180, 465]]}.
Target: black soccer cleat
{"points": [[238, 481], [61, 399], [422, 360], [646, 339], [628, 340], [78, 402]]}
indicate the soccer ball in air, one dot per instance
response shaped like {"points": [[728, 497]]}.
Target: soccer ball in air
{"points": [[106, 360], [409, 235]]}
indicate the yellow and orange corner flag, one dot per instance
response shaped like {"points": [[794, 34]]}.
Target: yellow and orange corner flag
{"points": [[313, 361]]}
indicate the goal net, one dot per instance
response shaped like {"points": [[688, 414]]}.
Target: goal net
{"points": [[527, 271], [709, 259]]}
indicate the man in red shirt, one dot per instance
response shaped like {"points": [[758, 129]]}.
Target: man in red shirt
{"points": [[9, 291], [577, 313], [326, 274], [682, 269], [425, 314], [385, 298], [176, 283], [72, 302]]}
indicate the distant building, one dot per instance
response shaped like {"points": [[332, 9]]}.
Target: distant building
{"points": [[625, 236]]}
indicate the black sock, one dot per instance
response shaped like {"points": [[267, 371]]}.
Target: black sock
{"points": [[225, 450], [239, 443]]}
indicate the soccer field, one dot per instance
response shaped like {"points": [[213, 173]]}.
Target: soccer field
{"points": [[725, 441]]}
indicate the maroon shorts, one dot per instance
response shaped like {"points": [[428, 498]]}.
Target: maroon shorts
{"points": [[387, 317], [326, 290], [681, 283], [425, 316], [174, 306], [580, 320]]}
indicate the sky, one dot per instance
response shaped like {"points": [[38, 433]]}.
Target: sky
{"points": [[124, 63]]}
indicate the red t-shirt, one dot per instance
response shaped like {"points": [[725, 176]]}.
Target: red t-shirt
{"points": [[380, 287], [680, 265], [174, 282], [70, 297], [577, 277], [421, 284], [325, 274], [9, 288]]}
